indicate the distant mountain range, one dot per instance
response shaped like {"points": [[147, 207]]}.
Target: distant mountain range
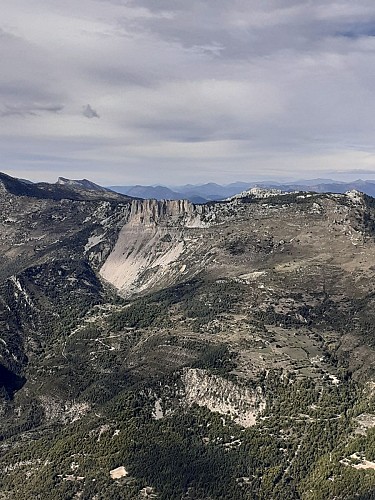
{"points": [[195, 193], [200, 193], [203, 193], [80, 188]]}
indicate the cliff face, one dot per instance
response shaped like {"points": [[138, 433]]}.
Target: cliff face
{"points": [[217, 394], [149, 212], [155, 245]]}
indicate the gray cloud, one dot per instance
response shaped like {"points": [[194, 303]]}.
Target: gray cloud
{"points": [[196, 91], [29, 109], [89, 112]]}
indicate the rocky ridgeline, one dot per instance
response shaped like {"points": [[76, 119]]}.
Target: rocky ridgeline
{"points": [[257, 192], [167, 212]]}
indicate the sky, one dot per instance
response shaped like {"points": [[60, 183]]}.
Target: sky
{"points": [[174, 91]]}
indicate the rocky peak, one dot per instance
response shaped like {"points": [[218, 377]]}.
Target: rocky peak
{"points": [[257, 192], [355, 196], [80, 184]]}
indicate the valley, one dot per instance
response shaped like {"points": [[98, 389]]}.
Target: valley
{"points": [[223, 350]]}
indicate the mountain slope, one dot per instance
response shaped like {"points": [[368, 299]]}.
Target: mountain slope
{"points": [[71, 190], [235, 360]]}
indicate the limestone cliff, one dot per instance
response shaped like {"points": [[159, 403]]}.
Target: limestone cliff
{"points": [[222, 396], [154, 245]]}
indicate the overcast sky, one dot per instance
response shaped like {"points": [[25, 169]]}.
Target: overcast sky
{"points": [[175, 91]]}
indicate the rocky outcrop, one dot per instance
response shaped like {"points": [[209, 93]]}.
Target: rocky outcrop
{"points": [[257, 192], [217, 394], [168, 212]]}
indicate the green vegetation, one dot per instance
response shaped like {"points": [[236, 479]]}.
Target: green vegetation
{"points": [[295, 447], [284, 456]]}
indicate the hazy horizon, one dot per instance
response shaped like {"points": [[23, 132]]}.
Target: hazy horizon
{"points": [[341, 178]]}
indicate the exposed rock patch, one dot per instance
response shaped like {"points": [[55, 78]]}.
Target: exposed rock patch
{"points": [[150, 245], [118, 473], [222, 396]]}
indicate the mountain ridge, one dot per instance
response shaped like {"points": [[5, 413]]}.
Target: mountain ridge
{"points": [[215, 192], [74, 190]]}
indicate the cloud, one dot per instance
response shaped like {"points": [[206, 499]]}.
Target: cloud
{"points": [[187, 91], [89, 112], [29, 109]]}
